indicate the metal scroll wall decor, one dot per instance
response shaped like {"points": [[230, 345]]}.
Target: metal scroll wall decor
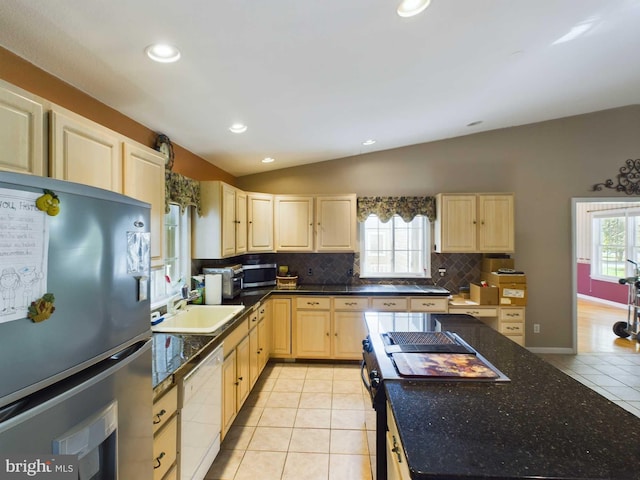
{"points": [[628, 179]]}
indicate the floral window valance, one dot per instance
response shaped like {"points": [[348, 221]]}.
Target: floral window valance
{"points": [[405, 207], [182, 191]]}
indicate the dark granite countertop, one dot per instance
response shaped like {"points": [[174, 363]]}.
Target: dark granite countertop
{"points": [[541, 424], [172, 352], [372, 289]]}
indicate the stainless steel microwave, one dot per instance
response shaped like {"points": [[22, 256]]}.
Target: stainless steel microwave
{"points": [[261, 275]]}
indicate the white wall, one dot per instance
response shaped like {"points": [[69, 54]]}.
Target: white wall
{"points": [[544, 164]]}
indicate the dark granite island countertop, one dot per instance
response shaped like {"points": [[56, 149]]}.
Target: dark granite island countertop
{"points": [[541, 424]]}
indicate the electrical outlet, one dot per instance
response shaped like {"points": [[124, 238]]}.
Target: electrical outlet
{"points": [[536, 328], [310, 272], [442, 271], [350, 272]]}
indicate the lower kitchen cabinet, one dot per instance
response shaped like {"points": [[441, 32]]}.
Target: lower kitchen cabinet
{"points": [[229, 382], [281, 327], [397, 468], [323, 332], [390, 304], [165, 435], [348, 327], [348, 332], [258, 343], [510, 321]]}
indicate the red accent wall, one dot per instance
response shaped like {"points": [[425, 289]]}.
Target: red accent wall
{"points": [[614, 292]]}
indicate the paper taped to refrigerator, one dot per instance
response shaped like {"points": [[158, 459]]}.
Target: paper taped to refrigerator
{"points": [[24, 244]]}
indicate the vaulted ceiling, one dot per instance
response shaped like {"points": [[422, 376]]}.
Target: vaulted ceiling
{"points": [[314, 80]]}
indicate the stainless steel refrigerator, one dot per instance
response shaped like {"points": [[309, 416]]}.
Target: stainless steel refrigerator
{"points": [[79, 382]]}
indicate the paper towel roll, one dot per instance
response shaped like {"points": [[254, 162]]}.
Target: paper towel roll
{"points": [[213, 289]]}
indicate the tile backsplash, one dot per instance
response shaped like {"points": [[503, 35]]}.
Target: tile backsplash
{"points": [[344, 268]]}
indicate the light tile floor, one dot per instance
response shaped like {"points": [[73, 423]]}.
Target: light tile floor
{"points": [[315, 421], [301, 421], [616, 376]]}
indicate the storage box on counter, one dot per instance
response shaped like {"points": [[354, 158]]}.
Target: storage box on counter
{"points": [[514, 294], [497, 279], [493, 264], [483, 295], [512, 287]]}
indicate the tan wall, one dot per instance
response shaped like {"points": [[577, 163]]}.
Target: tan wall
{"points": [[27, 76], [545, 164]]}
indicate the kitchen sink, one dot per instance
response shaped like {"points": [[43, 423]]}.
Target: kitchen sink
{"points": [[198, 319]]}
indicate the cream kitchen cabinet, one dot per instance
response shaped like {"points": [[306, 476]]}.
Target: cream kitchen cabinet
{"points": [[323, 331], [235, 373], [21, 133], [313, 327], [335, 228], [144, 180], [510, 321], [281, 327], [259, 222], [323, 223], [165, 435], [390, 304], [258, 342], [429, 304], [469, 223], [221, 229], [235, 383], [293, 223], [83, 151], [397, 468], [348, 327]]}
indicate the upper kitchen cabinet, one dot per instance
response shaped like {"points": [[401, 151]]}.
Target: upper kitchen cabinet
{"points": [[474, 223], [21, 134], [294, 223], [221, 229], [83, 151], [144, 180], [336, 223], [259, 222], [324, 223]]}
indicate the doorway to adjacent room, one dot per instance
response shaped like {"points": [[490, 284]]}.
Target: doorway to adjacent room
{"points": [[604, 236]]}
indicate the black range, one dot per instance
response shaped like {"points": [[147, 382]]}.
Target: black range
{"points": [[539, 424]]}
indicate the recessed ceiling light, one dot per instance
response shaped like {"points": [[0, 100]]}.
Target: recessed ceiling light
{"points": [[238, 128], [409, 8], [268, 160], [473, 124], [163, 53], [368, 142]]}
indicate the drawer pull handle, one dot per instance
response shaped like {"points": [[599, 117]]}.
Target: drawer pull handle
{"points": [[158, 462], [429, 304], [327, 334], [389, 304], [254, 319], [350, 304], [396, 449], [313, 303], [513, 315], [158, 417]]}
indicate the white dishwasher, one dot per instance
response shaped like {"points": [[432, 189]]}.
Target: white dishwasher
{"points": [[200, 417]]}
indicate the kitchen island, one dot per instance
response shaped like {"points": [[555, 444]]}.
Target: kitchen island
{"points": [[540, 424]]}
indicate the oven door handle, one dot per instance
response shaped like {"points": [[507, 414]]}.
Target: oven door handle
{"points": [[363, 376]]}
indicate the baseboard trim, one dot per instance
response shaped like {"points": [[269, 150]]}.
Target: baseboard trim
{"points": [[557, 350], [603, 301]]}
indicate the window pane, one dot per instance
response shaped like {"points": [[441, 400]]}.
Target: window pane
{"points": [[395, 248]]}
